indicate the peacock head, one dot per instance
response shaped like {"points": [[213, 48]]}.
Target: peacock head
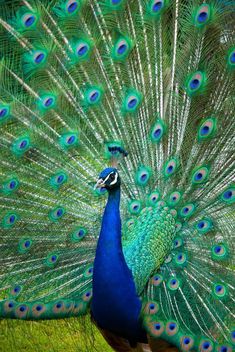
{"points": [[109, 178]]}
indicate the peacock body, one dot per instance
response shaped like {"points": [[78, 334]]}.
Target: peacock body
{"points": [[145, 87]]}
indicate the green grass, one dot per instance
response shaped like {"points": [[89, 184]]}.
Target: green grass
{"points": [[69, 335]]}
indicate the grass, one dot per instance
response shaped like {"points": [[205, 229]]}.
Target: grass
{"points": [[70, 335]]}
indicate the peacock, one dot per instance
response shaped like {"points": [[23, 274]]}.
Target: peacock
{"points": [[117, 160]]}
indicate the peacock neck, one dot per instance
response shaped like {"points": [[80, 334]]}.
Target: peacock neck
{"points": [[114, 198], [115, 304], [109, 243], [111, 224]]}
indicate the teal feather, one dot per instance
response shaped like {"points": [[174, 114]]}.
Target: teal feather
{"points": [[147, 87]]}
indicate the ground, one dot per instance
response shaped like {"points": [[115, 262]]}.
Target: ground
{"points": [[71, 335]]}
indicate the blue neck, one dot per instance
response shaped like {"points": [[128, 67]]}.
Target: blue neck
{"points": [[110, 234], [115, 304]]}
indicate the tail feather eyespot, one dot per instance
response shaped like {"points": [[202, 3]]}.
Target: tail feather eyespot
{"points": [[202, 15], [195, 83], [121, 49], [186, 342]]}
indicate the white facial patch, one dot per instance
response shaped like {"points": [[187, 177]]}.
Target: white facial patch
{"points": [[115, 180]]}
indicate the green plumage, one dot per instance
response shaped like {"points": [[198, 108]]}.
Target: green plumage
{"points": [[155, 229], [81, 83]]}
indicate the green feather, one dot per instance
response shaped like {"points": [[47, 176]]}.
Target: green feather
{"points": [[121, 49], [10, 220], [68, 8], [21, 145], [5, 113], [81, 49], [155, 9], [34, 60], [131, 102], [202, 15], [196, 83]]}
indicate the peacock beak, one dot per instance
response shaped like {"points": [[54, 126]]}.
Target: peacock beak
{"points": [[100, 183]]}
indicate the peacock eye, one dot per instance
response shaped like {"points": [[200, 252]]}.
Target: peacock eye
{"points": [[112, 177]]}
